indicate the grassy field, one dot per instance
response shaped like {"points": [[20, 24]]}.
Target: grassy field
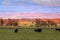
{"points": [[29, 34]]}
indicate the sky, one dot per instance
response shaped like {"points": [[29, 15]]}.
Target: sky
{"points": [[30, 8]]}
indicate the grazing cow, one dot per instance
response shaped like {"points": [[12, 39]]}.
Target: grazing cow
{"points": [[16, 30], [57, 29], [38, 30]]}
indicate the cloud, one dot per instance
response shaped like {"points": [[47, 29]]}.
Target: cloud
{"points": [[32, 15], [15, 2], [46, 2]]}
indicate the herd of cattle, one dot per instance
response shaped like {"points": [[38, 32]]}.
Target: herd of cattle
{"points": [[37, 30]]}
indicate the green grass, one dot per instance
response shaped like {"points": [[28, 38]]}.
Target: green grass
{"points": [[29, 34]]}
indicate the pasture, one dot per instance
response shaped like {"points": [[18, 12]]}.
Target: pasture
{"points": [[29, 34]]}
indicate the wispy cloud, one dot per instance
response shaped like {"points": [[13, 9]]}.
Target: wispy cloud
{"points": [[50, 2], [22, 2], [32, 15]]}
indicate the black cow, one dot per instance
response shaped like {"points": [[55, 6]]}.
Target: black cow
{"points": [[38, 30], [57, 29], [16, 30]]}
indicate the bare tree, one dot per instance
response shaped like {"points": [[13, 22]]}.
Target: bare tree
{"points": [[1, 22], [51, 23], [37, 23]]}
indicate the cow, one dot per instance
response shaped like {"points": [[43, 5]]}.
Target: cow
{"points": [[57, 29], [15, 30], [38, 30]]}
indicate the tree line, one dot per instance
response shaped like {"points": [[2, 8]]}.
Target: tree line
{"points": [[39, 22]]}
